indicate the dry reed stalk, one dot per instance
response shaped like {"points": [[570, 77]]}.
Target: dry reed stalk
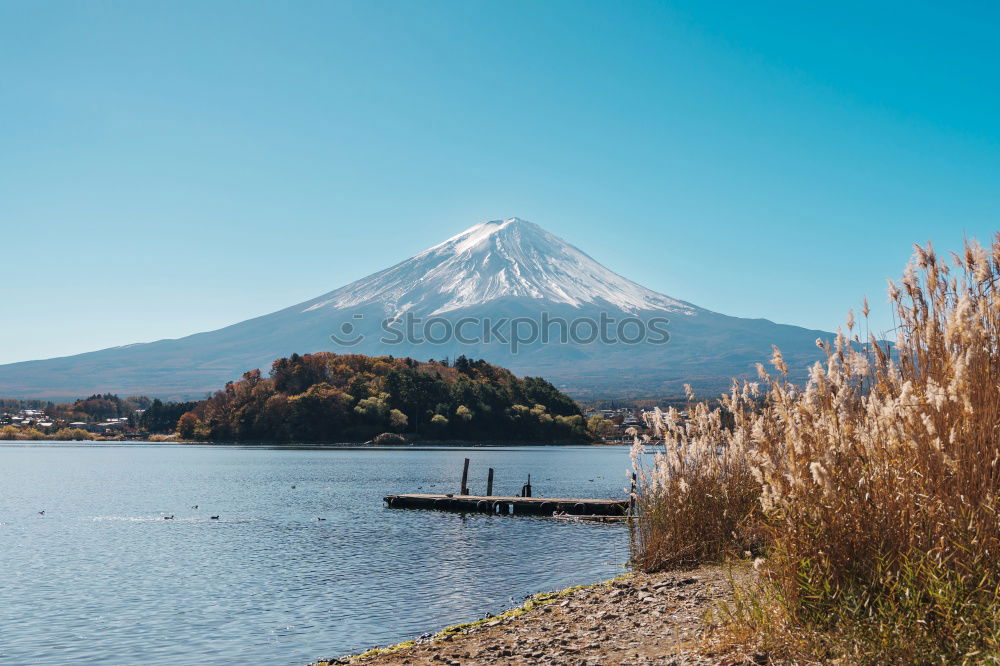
{"points": [[873, 489]]}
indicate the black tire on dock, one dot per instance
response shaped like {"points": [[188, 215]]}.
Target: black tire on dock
{"points": [[579, 509], [547, 508], [442, 504], [500, 508], [483, 506]]}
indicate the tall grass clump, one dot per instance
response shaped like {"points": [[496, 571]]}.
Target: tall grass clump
{"points": [[698, 501], [72, 434], [876, 484], [9, 432]]}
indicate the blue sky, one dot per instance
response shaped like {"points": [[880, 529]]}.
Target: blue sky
{"points": [[168, 168]]}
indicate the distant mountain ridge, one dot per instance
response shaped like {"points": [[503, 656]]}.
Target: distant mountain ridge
{"points": [[502, 269]]}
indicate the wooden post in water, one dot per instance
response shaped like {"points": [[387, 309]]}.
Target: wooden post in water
{"points": [[489, 483], [465, 478], [631, 497]]}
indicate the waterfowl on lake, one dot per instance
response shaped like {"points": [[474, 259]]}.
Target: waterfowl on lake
{"points": [[42, 512], [194, 506], [215, 517], [321, 519], [168, 517]]}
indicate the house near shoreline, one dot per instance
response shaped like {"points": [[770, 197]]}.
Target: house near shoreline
{"points": [[37, 419]]}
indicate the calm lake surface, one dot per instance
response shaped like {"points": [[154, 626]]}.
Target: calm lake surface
{"points": [[101, 577]]}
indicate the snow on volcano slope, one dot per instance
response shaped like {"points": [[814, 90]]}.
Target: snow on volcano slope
{"points": [[494, 260]]}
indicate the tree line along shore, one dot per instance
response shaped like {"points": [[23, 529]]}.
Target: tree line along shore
{"points": [[326, 398]]}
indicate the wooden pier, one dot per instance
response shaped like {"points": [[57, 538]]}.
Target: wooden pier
{"points": [[523, 504], [531, 506]]}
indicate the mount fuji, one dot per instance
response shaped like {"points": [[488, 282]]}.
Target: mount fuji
{"points": [[472, 294]]}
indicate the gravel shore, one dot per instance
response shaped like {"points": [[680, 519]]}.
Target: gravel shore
{"points": [[636, 619]]}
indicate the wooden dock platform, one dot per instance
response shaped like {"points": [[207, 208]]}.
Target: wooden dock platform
{"points": [[533, 506]]}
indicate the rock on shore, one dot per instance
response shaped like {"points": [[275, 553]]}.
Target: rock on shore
{"points": [[635, 619]]}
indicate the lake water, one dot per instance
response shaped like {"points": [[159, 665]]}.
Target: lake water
{"points": [[101, 577]]}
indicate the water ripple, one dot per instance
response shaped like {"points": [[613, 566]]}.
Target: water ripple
{"points": [[102, 578]]}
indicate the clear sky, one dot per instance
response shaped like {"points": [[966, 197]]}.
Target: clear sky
{"points": [[173, 167]]}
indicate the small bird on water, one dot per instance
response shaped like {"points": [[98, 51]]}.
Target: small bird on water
{"points": [[215, 517], [42, 512], [321, 519], [168, 517], [194, 506]]}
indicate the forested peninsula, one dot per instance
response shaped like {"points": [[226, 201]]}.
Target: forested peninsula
{"points": [[327, 397]]}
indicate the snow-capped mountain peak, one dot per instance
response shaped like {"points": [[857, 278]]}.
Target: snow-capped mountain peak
{"points": [[493, 271], [478, 234], [510, 258]]}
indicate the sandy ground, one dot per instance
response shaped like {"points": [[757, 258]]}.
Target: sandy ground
{"points": [[638, 619]]}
